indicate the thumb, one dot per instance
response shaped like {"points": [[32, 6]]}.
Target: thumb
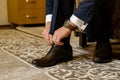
{"points": [[59, 43]]}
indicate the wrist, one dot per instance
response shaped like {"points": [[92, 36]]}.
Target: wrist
{"points": [[47, 24], [68, 24]]}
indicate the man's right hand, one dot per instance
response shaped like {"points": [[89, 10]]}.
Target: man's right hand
{"points": [[46, 35]]}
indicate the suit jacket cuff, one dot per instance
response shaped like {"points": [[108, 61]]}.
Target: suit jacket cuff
{"points": [[78, 22], [48, 18]]}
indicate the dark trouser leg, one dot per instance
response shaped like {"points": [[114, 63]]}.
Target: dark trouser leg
{"points": [[98, 30], [64, 11]]}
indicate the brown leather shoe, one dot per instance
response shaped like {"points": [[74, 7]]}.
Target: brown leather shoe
{"points": [[103, 52], [55, 55]]}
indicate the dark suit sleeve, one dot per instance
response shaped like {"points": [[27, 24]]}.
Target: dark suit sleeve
{"points": [[85, 10], [67, 6], [49, 6]]}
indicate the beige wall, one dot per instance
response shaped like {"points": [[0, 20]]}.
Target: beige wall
{"points": [[3, 12]]}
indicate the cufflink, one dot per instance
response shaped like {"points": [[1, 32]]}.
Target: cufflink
{"points": [[83, 26]]}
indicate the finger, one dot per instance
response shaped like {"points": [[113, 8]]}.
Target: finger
{"points": [[47, 39], [54, 38], [51, 39], [59, 43]]}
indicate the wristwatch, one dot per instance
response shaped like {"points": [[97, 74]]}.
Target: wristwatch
{"points": [[68, 25]]}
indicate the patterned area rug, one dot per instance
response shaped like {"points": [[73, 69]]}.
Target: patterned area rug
{"points": [[29, 47]]}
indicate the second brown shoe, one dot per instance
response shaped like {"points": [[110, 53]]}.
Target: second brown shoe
{"points": [[55, 55]]}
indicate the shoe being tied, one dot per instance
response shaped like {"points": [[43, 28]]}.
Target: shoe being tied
{"points": [[103, 52], [55, 55]]}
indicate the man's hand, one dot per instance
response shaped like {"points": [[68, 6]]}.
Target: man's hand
{"points": [[60, 34], [46, 35]]}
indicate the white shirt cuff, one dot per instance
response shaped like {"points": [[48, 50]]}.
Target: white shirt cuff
{"points": [[48, 18], [78, 22]]}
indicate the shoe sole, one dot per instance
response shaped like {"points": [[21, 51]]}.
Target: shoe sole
{"points": [[49, 64]]}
